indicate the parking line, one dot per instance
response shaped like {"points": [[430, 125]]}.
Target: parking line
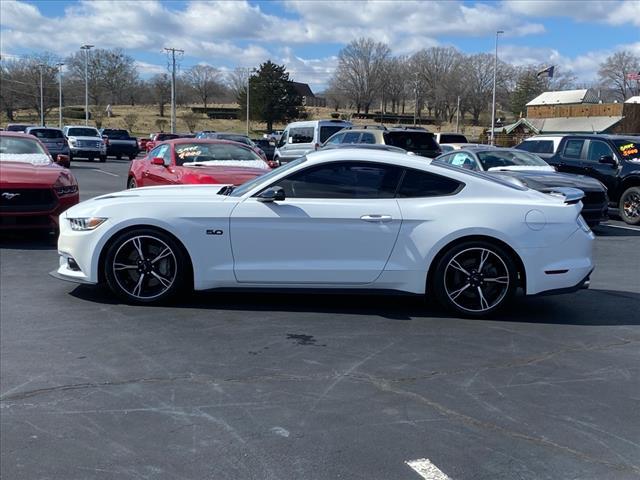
{"points": [[426, 469], [624, 228], [106, 173]]}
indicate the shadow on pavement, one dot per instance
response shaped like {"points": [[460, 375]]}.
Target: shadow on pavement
{"points": [[28, 241], [588, 307], [616, 231]]}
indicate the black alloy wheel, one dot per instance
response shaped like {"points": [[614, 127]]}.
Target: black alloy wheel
{"points": [[475, 278], [145, 266], [630, 206]]}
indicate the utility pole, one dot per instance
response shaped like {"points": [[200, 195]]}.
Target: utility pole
{"points": [[248, 90], [173, 86], [86, 49], [493, 102], [41, 97], [415, 108], [59, 65], [458, 115]]}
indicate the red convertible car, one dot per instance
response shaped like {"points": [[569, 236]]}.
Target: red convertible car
{"points": [[194, 161], [34, 190]]}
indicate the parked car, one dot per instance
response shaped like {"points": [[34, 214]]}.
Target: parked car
{"points": [[17, 127], [614, 160], [187, 161], [237, 137], [450, 147], [448, 137], [545, 146], [468, 238], [34, 190], [155, 138], [300, 138], [364, 146], [267, 146], [54, 141], [120, 143], [532, 172], [415, 140], [274, 136], [85, 142]]}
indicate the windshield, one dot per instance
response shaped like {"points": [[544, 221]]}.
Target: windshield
{"points": [[82, 132], [46, 133], [14, 149], [508, 158], [235, 138], [212, 153], [411, 141], [628, 149], [245, 187]]}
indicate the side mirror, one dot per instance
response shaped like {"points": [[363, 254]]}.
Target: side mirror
{"points": [[608, 160], [272, 194], [63, 161], [157, 161]]}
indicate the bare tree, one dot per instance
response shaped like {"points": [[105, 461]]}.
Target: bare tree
{"points": [[130, 121], [395, 82], [205, 81], [191, 120], [614, 70], [237, 81], [360, 70], [161, 87]]}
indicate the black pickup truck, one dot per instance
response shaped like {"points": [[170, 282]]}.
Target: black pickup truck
{"points": [[612, 159], [120, 144]]}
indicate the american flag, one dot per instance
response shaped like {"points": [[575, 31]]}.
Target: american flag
{"points": [[633, 76]]}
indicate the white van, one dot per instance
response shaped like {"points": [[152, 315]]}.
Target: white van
{"points": [[300, 138]]}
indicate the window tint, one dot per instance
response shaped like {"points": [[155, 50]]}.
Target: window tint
{"points": [[46, 133], [343, 180], [573, 148], [528, 145], [301, 135], [598, 149], [545, 146], [453, 138], [326, 132], [116, 134], [422, 184], [351, 137], [411, 141], [82, 132], [368, 138]]}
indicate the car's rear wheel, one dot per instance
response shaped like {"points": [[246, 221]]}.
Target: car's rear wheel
{"points": [[145, 266], [475, 278], [630, 206]]}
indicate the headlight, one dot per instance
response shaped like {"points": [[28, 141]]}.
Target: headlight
{"points": [[72, 141], [66, 190], [82, 224]]}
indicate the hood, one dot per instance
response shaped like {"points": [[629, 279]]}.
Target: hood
{"points": [[521, 168], [542, 179], [231, 175], [45, 175], [166, 192], [95, 139]]}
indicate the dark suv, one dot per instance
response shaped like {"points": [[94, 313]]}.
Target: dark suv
{"points": [[612, 159], [416, 140]]}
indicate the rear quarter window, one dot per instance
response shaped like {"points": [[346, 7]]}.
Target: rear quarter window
{"points": [[422, 184]]}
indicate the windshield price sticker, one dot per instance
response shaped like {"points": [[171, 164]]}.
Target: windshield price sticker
{"points": [[629, 149], [191, 151]]}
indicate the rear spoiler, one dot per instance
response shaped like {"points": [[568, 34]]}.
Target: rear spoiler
{"points": [[570, 195]]}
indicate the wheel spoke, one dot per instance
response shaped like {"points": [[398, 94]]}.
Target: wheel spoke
{"points": [[138, 244], [456, 294], [138, 288], [122, 266], [454, 263], [484, 254], [165, 282], [164, 253], [484, 305], [504, 280]]}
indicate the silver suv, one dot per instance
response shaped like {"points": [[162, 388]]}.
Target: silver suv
{"points": [[415, 140]]}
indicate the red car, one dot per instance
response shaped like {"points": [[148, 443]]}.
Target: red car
{"points": [[194, 161], [34, 190]]}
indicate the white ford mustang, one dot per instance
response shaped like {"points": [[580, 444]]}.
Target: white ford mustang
{"points": [[337, 219]]}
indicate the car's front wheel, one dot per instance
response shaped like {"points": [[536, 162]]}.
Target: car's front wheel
{"points": [[630, 206], [145, 266], [132, 183], [475, 278]]}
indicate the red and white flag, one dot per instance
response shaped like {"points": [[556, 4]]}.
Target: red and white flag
{"points": [[633, 76]]}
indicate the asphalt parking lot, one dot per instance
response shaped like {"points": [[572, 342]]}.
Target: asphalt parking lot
{"points": [[280, 386]]}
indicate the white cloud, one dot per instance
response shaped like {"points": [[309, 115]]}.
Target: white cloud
{"points": [[146, 69], [613, 12]]}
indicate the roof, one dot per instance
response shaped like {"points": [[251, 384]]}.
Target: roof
{"points": [[564, 97], [563, 125], [302, 89], [635, 99]]}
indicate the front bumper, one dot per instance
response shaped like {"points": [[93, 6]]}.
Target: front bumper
{"points": [[37, 220], [87, 152]]}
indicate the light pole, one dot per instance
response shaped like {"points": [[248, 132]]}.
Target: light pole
{"points": [[86, 49], [59, 65], [493, 102], [40, 65], [249, 72]]}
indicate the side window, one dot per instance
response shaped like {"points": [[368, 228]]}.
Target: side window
{"points": [[368, 138], [573, 148], [422, 184], [157, 152], [336, 139], [528, 145], [545, 146], [166, 155], [448, 158], [351, 137], [598, 149], [283, 139], [301, 135], [464, 160], [343, 180]]}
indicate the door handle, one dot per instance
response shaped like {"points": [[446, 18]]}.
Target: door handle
{"points": [[376, 218]]}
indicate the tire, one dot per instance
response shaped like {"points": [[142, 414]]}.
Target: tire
{"points": [[145, 266], [131, 183], [103, 158], [118, 157], [132, 157], [475, 278], [629, 206], [91, 159]]}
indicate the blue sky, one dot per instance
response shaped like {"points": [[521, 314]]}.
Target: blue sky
{"points": [[307, 35]]}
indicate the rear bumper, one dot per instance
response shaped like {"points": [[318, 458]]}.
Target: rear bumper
{"points": [[582, 284]]}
